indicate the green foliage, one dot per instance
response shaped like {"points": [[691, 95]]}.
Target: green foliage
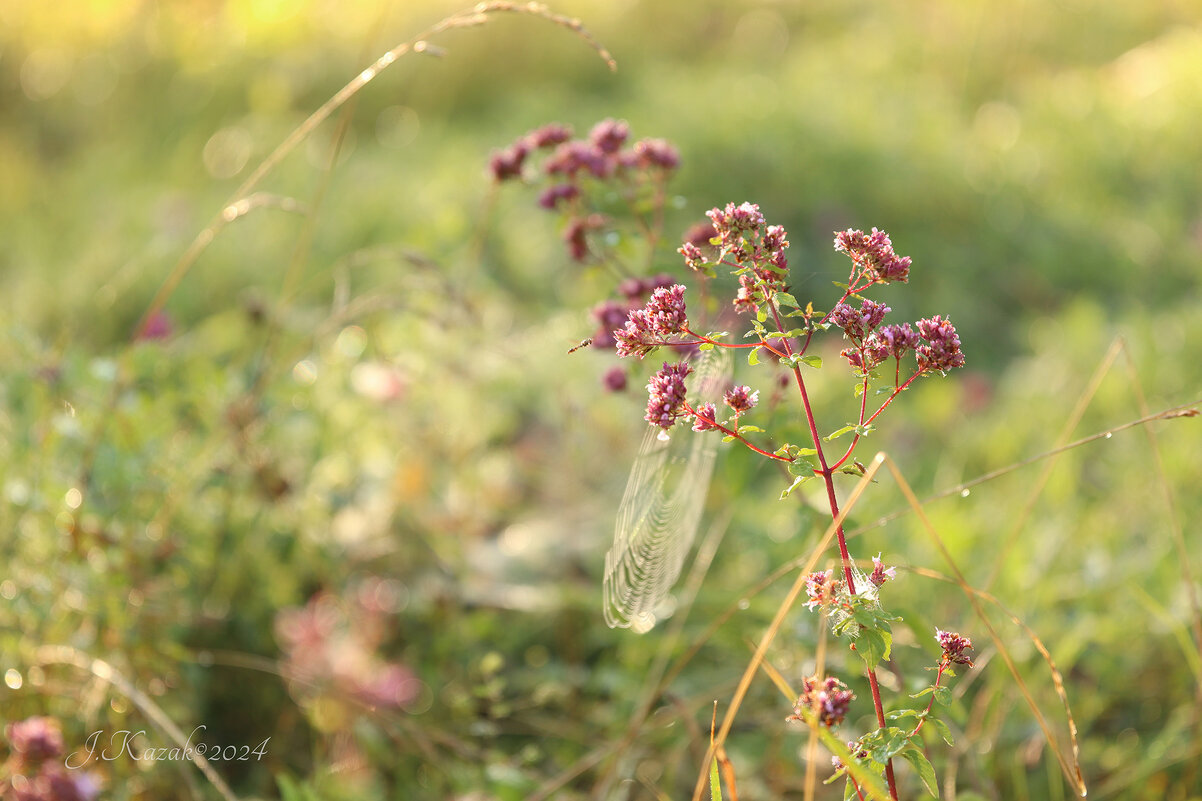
{"points": [[409, 412]]}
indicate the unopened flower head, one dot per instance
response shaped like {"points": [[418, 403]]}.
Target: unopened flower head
{"points": [[873, 256], [549, 135], [576, 235], [829, 699], [573, 157], [705, 417], [666, 391], [508, 163], [614, 379], [942, 349], [954, 646], [609, 135], [741, 399], [554, 195], [657, 153]]}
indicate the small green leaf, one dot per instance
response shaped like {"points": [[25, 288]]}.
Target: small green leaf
{"points": [[753, 357], [873, 646], [729, 438], [761, 315], [901, 714], [922, 766], [923, 693], [704, 346], [943, 730], [943, 696], [813, 361], [787, 299], [841, 432], [751, 429], [797, 482], [802, 466]]}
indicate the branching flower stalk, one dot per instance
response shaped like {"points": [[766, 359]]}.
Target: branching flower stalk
{"points": [[783, 329], [577, 176]]}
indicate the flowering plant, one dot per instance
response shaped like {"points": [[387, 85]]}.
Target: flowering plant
{"points": [[655, 314]]}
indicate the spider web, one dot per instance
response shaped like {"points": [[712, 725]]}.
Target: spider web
{"points": [[661, 509]]}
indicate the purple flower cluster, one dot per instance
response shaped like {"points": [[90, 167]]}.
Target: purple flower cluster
{"points": [[602, 156], [829, 698], [506, 164], [953, 646], [34, 772], [857, 324], [880, 573], [873, 345], [942, 351], [667, 393], [872, 256], [741, 399], [705, 417], [757, 250], [330, 650], [821, 589], [650, 327]]}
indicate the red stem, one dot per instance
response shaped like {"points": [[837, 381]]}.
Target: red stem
{"points": [[828, 478]]}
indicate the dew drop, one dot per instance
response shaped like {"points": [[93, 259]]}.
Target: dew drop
{"points": [[964, 493], [744, 604], [1109, 435]]}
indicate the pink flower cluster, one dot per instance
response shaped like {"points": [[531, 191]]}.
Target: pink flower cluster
{"points": [[667, 395], [601, 156], [872, 256], [648, 328], [935, 342], [953, 646], [331, 649], [35, 771], [757, 251], [829, 698]]}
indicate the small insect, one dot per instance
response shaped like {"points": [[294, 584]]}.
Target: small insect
{"points": [[584, 343]]}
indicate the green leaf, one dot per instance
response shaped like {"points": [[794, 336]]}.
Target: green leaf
{"points": [[813, 361], [715, 782], [750, 429], [924, 769], [704, 346], [761, 315], [943, 696], [802, 466], [753, 357], [729, 438], [902, 714], [787, 299], [873, 645], [923, 693], [943, 730], [841, 432], [797, 482]]}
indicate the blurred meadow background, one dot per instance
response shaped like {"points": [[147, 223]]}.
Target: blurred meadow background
{"points": [[351, 447]]}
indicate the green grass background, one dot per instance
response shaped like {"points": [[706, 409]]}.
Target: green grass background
{"points": [[1038, 161]]}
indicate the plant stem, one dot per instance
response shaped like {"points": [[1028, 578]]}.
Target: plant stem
{"points": [[828, 479]]}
